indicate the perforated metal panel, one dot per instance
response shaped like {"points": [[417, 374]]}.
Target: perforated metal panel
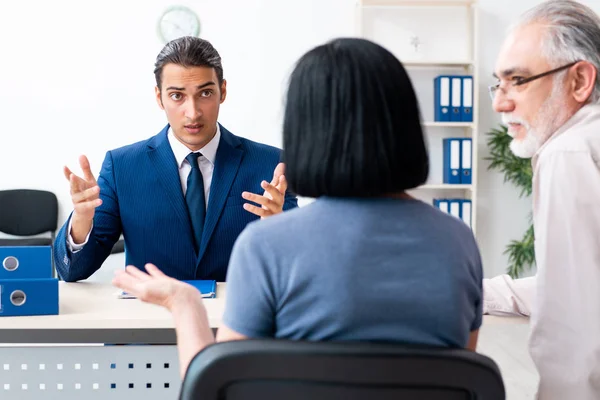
{"points": [[90, 372]]}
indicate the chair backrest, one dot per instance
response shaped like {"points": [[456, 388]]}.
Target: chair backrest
{"points": [[25, 212], [281, 369]]}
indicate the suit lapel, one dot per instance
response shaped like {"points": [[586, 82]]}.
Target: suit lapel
{"points": [[227, 162], [166, 169]]}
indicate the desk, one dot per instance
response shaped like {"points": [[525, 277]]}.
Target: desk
{"points": [[92, 313], [38, 360]]}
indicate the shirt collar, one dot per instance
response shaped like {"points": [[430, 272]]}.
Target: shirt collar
{"points": [[181, 151]]}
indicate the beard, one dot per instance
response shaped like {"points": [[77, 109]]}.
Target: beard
{"points": [[548, 119]]}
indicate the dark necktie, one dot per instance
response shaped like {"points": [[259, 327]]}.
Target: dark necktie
{"points": [[194, 197]]}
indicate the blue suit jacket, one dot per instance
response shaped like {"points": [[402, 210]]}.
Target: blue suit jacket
{"points": [[142, 198]]}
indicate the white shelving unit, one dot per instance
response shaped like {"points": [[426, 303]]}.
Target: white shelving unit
{"points": [[449, 30]]}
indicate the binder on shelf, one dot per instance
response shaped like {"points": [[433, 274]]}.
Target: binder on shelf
{"points": [[465, 212], [456, 94], [441, 99], [466, 157], [25, 262], [20, 297], [452, 172], [459, 208], [442, 204], [467, 99], [455, 207]]}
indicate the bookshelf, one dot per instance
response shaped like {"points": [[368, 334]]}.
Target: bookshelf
{"points": [[430, 38]]}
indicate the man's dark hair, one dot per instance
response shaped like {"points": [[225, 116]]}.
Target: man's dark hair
{"points": [[188, 51], [352, 125]]}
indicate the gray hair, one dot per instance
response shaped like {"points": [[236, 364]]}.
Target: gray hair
{"points": [[572, 34]]}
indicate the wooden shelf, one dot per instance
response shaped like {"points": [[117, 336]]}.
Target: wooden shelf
{"points": [[449, 125]]}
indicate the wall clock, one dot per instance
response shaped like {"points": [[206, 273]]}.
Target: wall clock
{"points": [[178, 21]]}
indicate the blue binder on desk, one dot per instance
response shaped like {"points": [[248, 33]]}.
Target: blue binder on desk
{"points": [[206, 287], [452, 170], [25, 262], [20, 297]]}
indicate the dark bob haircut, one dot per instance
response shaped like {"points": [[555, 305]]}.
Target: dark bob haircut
{"points": [[188, 51], [352, 124]]}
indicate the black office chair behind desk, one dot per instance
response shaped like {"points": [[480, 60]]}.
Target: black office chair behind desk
{"points": [[287, 370], [26, 212]]}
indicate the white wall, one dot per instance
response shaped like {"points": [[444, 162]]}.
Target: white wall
{"points": [[76, 78]]}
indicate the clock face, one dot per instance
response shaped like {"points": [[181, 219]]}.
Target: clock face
{"points": [[176, 22]]}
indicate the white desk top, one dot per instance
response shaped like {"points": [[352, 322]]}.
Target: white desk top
{"points": [[90, 305], [92, 312]]}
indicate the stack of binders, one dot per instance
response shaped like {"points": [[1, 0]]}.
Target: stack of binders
{"points": [[453, 98], [459, 208], [26, 283], [458, 155]]}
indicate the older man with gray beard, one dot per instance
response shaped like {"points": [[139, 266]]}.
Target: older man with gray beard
{"points": [[548, 92]]}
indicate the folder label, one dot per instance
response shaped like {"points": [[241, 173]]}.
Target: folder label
{"points": [[456, 99], [455, 208], [468, 92], [445, 93], [466, 212], [443, 206]]}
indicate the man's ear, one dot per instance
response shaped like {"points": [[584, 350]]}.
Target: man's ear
{"points": [[158, 97], [223, 90], [584, 81]]}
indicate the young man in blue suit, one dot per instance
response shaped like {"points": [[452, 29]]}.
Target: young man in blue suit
{"points": [[178, 198]]}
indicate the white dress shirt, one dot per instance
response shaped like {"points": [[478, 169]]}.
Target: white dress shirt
{"points": [[206, 162], [565, 311]]}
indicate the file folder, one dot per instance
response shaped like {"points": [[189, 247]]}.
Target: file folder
{"points": [[25, 262], [208, 289], [452, 172], [466, 156], [467, 99], [20, 297], [455, 208], [456, 94], [442, 204], [442, 99], [465, 212]]}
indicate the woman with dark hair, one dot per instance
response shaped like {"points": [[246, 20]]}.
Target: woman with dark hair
{"points": [[365, 261]]}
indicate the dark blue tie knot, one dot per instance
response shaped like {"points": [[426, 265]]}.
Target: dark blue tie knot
{"points": [[192, 158]]}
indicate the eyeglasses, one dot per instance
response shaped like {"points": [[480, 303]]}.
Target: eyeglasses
{"points": [[493, 89]]}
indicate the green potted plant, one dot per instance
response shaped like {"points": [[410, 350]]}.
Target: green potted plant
{"points": [[521, 255]]}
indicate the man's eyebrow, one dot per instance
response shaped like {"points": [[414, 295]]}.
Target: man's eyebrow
{"points": [[201, 86], [512, 71]]}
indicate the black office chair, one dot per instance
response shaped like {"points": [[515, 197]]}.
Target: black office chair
{"points": [[25, 212], [292, 370]]}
